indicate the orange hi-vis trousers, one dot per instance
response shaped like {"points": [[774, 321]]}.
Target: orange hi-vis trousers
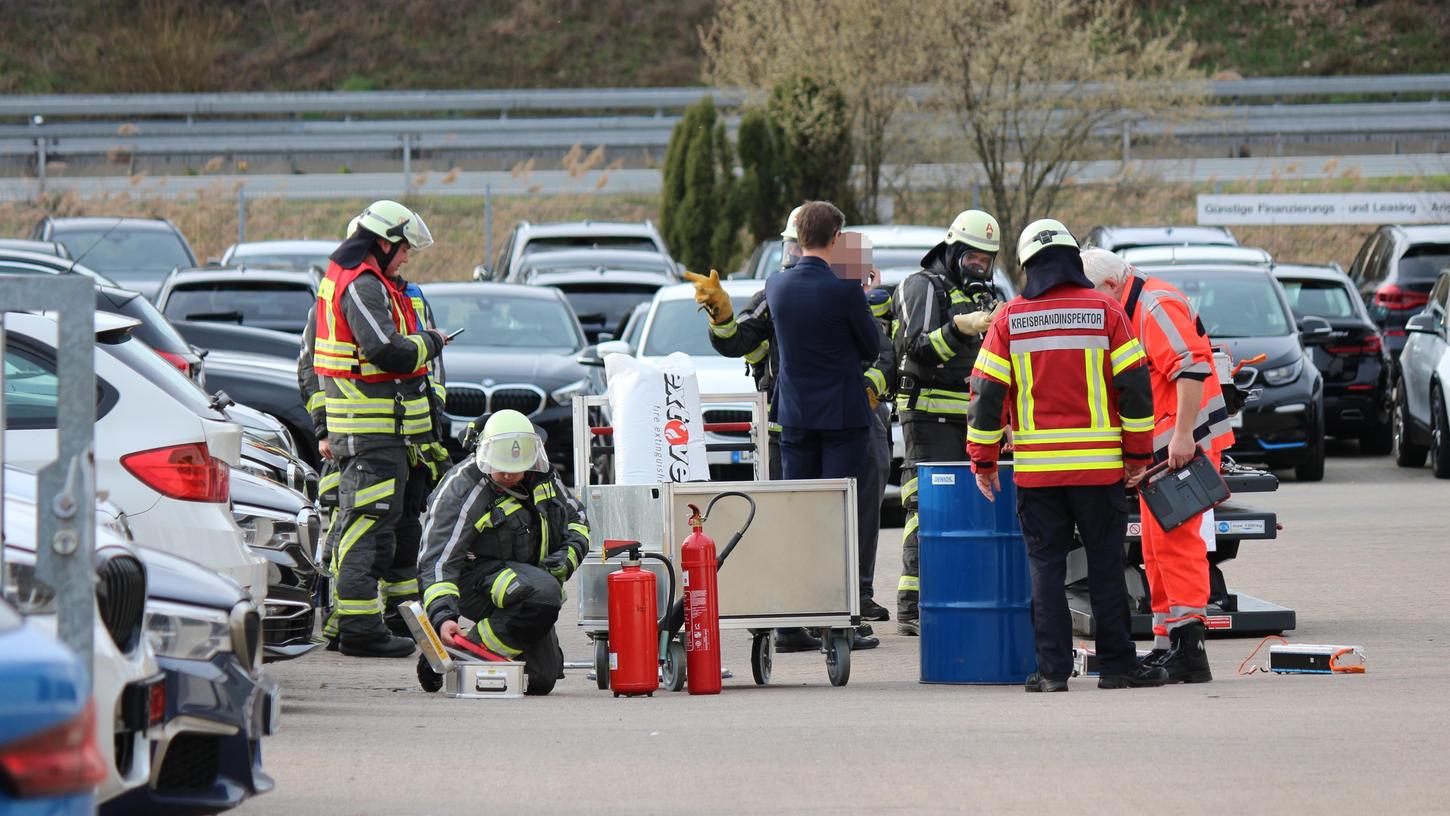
{"points": [[1177, 565]]}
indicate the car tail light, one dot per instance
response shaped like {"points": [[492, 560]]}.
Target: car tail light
{"points": [[1370, 344], [177, 360], [1391, 296], [60, 760], [188, 472]]}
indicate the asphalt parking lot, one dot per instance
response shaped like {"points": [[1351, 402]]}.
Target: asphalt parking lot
{"points": [[1363, 560]]}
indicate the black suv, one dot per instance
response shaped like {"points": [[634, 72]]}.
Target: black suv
{"points": [[1394, 272]]}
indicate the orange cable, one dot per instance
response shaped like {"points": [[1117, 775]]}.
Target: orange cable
{"points": [[1242, 673]]}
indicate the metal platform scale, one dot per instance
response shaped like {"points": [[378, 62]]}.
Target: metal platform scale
{"points": [[1230, 614]]}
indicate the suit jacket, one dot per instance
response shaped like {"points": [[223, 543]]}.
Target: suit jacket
{"points": [[826, 335]]}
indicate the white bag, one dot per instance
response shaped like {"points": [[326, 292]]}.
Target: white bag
{"points": [[659, 433]]}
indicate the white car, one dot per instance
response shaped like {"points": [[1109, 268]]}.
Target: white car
{"points": [[1421, 417], [529, 239], [303, 254], [124, 670], [163, 455]]}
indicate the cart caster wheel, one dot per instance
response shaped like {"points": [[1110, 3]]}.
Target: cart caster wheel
{"points": [[838, 658], [762, 656], [601, 663], [674, 669]]}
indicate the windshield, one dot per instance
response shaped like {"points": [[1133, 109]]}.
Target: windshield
{"points": [[1320, 298], [573, 262], [557, 242], [506, 322], [154, 329], [275, 260], [1232, 305], [126, 253], [679, 325], [268, 305], [605, 307], [1422, 263]]}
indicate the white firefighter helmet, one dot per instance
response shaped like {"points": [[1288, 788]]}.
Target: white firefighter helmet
{"points": [[351, 227], [976, 229], [1040, 234], [790, 233], [510, 445], [393, 222]]}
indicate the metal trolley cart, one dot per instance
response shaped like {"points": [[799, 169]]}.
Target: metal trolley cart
{"points": [[796, 566], [1229, 613]]}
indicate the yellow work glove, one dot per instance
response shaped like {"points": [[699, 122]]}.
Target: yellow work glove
{"points": [[976, 322], [711, 297]]}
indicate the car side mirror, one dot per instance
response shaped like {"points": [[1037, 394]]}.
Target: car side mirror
{"points": [[1422, 323], [615, 347], [589, 357], [481, 272], [605, 337], [1314, 330]]}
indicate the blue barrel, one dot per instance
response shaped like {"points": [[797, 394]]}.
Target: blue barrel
{"points": [[976, 593]]}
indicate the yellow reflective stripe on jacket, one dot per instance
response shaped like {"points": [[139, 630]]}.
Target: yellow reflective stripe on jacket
{"points": [[1052, 436], [581, 529], [758, 353], [939, 342], [317, 400], [438, 590], [573, 556], [372, 493], [544, 492], [500, 586], [508, 507], [1126, 354], [417, 340], [1030, 461], [959, 298], [1137, 424], [877, 380], [991, 365], [936, 401], [396, 588], [908, 583], [543, 537], [1097, 388], [984, 437], [372, 606], [1022, 366], [724, 330]]}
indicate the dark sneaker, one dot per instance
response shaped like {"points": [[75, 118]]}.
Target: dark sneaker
{"points": [[1143, 676], [865, 630], [796, 640], [872, 611], [861, 641], [910, 628], [1037, 683], [1155, 657], [380, 646]]}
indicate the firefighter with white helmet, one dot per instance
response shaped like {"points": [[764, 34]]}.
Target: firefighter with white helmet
{"points": [[938, 315], [502, 536], [370, 353]]}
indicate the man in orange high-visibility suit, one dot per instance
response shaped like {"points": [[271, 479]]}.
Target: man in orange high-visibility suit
{"points": [[1190, 411], [1063, 356]]}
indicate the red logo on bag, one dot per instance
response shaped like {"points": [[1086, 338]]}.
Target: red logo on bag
{"points": [[676, 433]]}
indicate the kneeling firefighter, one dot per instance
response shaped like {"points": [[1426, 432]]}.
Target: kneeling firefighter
{"points": [[502, 536]]}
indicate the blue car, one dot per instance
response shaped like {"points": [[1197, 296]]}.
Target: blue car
{"points": [[49, 763], [207, 635]]}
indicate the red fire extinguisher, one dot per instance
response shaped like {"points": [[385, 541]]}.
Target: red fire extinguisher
{"points": [[634, 626], [702, 611]]}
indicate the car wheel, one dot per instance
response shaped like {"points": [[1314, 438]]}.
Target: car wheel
{"points": [[1311, 467], [1439, 435], [1407, 453], [1378, 440]]}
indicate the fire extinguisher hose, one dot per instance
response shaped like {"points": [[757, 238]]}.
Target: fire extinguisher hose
{"points": [[676, 618]]}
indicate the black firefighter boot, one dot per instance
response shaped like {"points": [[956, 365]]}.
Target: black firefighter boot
{"points": [[376, 646], [1187, 660]]}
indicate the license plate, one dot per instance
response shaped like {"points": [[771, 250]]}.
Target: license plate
{"points": [[1236, 420]]}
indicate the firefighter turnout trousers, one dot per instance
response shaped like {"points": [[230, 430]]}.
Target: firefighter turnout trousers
{"points": [[399, 583], [514, 605], [926, 440], [371, 497], [870, 491], [1099, 513], [1176, 562]]}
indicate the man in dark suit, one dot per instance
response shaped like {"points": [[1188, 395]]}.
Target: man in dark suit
{"points": [[826, 337]]}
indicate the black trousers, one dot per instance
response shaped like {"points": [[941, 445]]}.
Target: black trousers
{"points": [[808, 453], [870, 489], [926, 440], [1099, 514]]}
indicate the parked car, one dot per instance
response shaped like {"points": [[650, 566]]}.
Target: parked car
{"points": [[1217, 255], [127, 687], [20, 261], [1394, 270], [302, 255], [137, 253], [153, 329], [1421, 407], [519, 350], [763, 260], [1355, 365], [602, 286], [528, 239], [231, 337], [207, 636], [27, 245], [161, 454], [282, 526], [1245, 312], [1117, 239], [268, 384], [47, 724], [276, 299]]}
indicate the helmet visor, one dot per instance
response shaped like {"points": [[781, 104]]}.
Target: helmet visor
{"points": [[790, 253], [512, 453], [414, 231]]}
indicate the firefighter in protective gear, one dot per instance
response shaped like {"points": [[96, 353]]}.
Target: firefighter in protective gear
{"points": [[751, 335], [399, 583], [370, 354], [939, 315], [502, 536], [1191, 412], [1063, 362]]}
